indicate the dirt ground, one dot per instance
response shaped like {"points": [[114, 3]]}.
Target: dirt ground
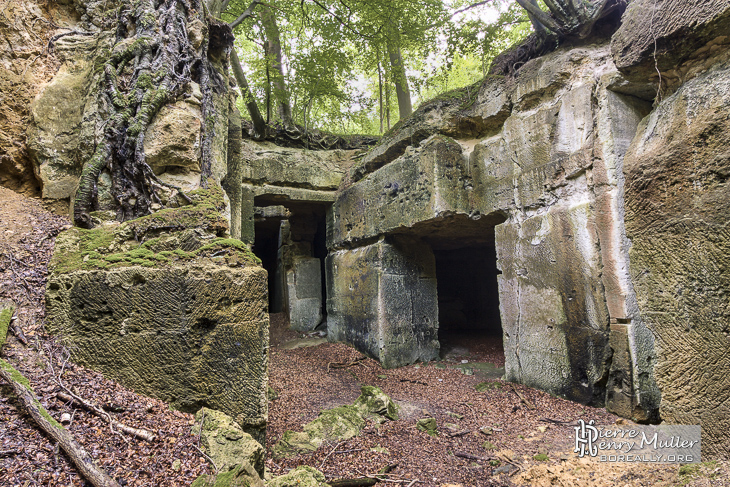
{"points": [[503, 426]]}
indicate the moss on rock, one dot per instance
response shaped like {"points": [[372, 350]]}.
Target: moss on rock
{"points": [[155, 240], [428, 425], [169, 305], [225, 442], [242, 475], [6, 314], [304, 476], [373, 401], [338, 424]]}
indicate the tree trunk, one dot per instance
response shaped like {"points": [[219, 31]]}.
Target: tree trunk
{"points": [[259, 124], [273, 52], [78, 455], [380, 97], [399, 79]]}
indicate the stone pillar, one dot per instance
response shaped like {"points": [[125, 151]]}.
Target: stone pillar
{"points": [[304, 290], [248, 231], [382, 299]]}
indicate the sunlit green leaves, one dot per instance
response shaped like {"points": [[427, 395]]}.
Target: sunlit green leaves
{"points": [[336, 60]]}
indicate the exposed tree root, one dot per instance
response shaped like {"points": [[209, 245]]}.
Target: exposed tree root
{"points": [[155, 59], [299, 137]]}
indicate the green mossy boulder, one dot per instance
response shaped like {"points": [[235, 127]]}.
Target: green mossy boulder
{"points": [[304, 476], [338, 424], [375, 403], [242, 475], [427, 425], [293, 443], [225, 442]]}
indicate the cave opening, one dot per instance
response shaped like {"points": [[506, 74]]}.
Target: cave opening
{"points": [[468, 300], [266, 248], [465, 257], [290, 240]]}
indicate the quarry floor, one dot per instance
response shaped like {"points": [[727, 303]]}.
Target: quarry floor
{"points": [[308, 375]]}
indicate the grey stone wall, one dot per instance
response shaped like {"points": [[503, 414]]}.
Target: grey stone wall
{"points": [[382, 299], [541, 171], [608, 212]]}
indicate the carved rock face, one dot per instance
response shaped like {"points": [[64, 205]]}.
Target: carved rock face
{"points": [[181, 317], [677, 208]]}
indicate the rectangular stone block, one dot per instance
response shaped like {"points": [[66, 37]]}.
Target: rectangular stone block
{"points": [[183, 327], [382, 299], [304, 289]]}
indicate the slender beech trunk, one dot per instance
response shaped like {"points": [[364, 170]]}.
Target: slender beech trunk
{"points": [[259, 124], [273, 51], [380, 97], [399, 77]]}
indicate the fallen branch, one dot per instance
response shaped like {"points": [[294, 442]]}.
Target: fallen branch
{"points": [[365, 481], [328, 455], [555, 421], [140, 433], [523, 398], [76, 453], [344, 365], [506, 459], [18, 331], [469, 456], [457, 435], [361, 482], [9, 453]]}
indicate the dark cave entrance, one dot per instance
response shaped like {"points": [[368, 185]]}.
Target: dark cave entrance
{"points": [[290, 239], [466, 279], [266, 248], [468, 297]]}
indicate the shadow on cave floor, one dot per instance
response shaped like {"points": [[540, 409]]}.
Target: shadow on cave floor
{"points": [[479, 354]]}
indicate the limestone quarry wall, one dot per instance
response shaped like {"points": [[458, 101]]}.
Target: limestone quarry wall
{"points": [[24, 68], [596, 177], [677, 206], [600, 173], [171, 304]]}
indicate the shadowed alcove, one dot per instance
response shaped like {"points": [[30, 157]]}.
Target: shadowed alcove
{"points": [[466, 273]]}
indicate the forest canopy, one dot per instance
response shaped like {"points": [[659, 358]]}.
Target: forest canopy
{"points": [[358, 66]]}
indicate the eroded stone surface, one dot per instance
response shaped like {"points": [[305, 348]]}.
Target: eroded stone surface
{"points": [[533, 180], [376, 296], [287, 167], [304, 476], [304, 284], [64, 115], [172, 140], [181, 317], [226, 443], [675, 37], [677, 209]]}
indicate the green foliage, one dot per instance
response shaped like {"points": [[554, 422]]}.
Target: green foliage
{"points": [[338, 70]]}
